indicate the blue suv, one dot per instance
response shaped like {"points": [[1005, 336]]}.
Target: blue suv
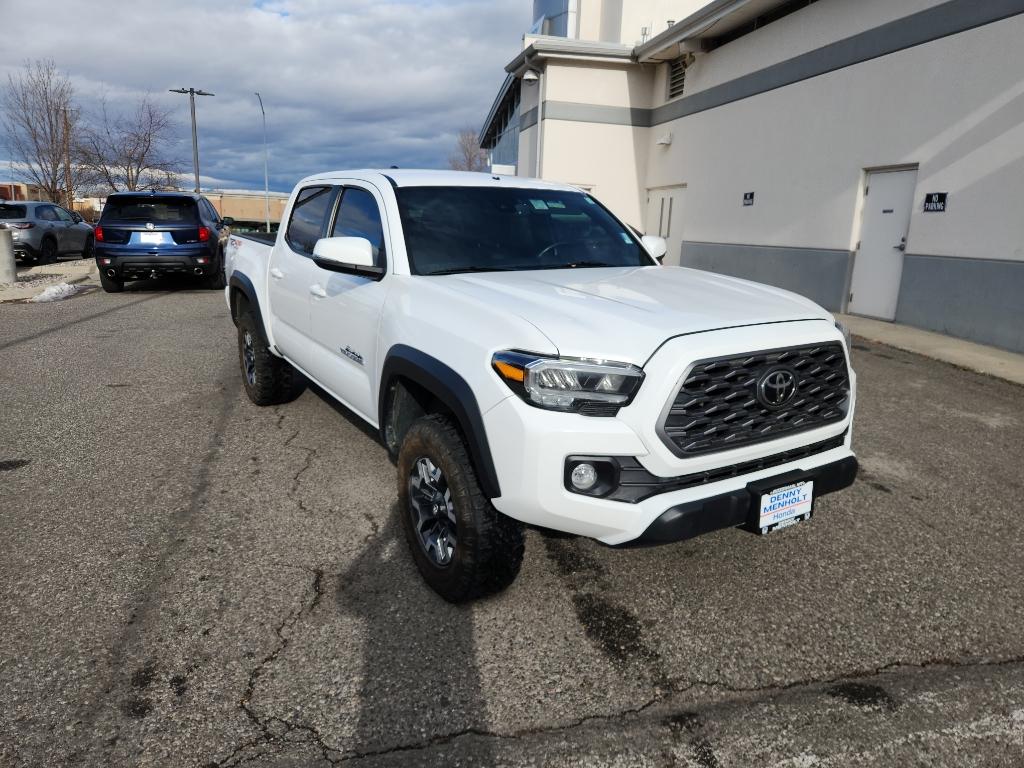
{"points": [[147, 234]]}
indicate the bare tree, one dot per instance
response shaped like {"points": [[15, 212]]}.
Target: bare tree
{"points": [[468, 156], [39, 122], [129, 150]]}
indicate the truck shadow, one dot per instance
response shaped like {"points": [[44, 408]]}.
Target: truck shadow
{"points": [[345, 413], [421, 683]]}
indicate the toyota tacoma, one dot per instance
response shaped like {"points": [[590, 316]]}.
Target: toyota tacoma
{"points": [[527, 360]]}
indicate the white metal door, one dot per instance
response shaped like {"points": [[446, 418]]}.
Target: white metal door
{"points": [[665, 219], [885, 222]]}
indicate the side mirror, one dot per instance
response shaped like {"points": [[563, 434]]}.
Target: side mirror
{"points": [[76, 217], [348, 255], [656, 246], [227, 221]]}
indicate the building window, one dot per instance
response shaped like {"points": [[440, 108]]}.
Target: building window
{"points": [[676, 77], [551, 17]]}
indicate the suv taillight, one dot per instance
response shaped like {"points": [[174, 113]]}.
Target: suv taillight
{"points": [[98, 234], [204, 234], [20, 225]]}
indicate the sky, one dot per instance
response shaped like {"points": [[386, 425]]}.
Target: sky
{"points": [[345, 83]]}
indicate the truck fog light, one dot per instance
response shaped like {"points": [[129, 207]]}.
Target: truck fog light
{"points": [[584, 476]]}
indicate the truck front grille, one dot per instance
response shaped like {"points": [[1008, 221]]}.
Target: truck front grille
{"points": [[727, 402]]}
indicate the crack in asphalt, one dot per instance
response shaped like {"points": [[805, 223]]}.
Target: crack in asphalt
{"points": [[269, 734], [687, 721]]}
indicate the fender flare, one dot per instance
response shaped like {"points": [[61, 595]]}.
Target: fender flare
{"points": [[451, 389], [244, 285]]}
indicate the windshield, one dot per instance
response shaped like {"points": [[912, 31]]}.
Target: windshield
{"points": [[484, 229], [12, 211], [169, 210]]}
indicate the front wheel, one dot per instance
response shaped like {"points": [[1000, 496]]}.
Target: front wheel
{"points": [[464, 547]]}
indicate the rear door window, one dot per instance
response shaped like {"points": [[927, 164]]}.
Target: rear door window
{"points": [[359, 216], [309, 218], [158, 210], [12, 211], [209, 211], [46, 213]]}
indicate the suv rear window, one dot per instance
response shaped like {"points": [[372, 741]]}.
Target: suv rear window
{"points": [[169, 210], [12, 211]]}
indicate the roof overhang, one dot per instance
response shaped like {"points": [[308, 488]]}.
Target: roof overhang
{"points": [[505, 94], [543, 47], [714, 19]]}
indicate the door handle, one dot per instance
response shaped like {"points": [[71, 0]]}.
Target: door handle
{"points": [[900, 247], [318, 291], [276, 273]]}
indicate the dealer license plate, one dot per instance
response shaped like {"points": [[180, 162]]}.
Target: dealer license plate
{"points": [[786, 506], [151, 237]]}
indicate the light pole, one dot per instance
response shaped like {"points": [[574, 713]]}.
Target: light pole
{"points": [[266, 174], [192, 93]]}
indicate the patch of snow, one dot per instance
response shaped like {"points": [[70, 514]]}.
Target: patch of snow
{"points": [[57, 292]]}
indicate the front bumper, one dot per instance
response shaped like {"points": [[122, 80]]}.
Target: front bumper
{"points": [[141, 264], [737, 508], [530, 447]]}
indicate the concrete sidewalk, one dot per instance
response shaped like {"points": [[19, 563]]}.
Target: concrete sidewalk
{"points": [[35, 280], [965, 354]]}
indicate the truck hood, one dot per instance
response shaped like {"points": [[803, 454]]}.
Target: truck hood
{"points": [[627, 313]]}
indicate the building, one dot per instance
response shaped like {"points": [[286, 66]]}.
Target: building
{"points": [[868, 154], [18, 190]]}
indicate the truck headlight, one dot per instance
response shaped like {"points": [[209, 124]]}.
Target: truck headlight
{"points": [[592, 387]]}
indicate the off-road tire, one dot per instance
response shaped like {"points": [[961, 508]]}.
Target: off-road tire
{"points": [[489, 545], [110, 284], [274, 380]]}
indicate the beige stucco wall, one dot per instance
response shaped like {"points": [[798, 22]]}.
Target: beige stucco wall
{"points": [[821, 23], [607, 159], [954, 106], [615, 85], [247, 207]]}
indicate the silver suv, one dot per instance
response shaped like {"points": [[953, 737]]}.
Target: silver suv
{"points": [[42, 232]]}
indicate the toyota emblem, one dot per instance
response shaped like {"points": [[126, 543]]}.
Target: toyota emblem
{"points": [[776, 387]]}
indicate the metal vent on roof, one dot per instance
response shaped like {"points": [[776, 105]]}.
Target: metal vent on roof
{"points": [[676, 77]]}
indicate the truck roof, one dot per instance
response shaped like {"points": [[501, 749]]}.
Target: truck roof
{"points": [[410, 177]]}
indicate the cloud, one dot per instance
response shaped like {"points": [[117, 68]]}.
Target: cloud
{"points": [[346, 83]]}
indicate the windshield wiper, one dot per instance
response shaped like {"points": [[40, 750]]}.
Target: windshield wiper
{"points": [[574, 264], [457, 270]]}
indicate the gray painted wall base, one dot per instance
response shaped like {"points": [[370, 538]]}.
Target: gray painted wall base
{"points": [[977, 299], [820, 275]]}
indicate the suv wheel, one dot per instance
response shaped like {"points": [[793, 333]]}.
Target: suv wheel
{"points": [[111, 284], [268, 379], [216, 280], [47, 251], [462, 545], [87, 250]]}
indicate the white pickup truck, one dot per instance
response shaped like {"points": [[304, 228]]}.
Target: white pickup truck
{"points": [[527, 360]]}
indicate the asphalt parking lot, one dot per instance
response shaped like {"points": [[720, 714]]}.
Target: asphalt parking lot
{"points": [[189, 580]]}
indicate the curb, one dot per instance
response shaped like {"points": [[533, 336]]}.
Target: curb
{"points": [[75, 273]]}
